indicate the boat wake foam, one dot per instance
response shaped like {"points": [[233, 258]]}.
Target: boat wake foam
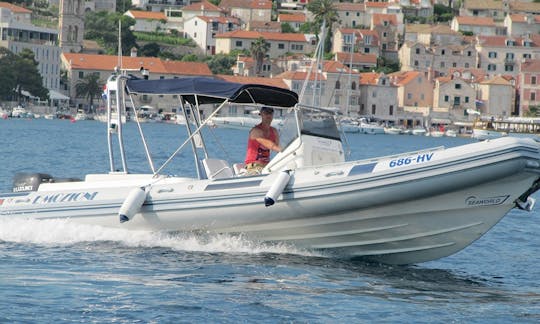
{"points": [[63, 232]]}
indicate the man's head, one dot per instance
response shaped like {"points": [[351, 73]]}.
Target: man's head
{"points": [[266, 110]]}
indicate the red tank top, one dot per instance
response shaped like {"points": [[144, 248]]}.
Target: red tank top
{"points": [[257, 152]]}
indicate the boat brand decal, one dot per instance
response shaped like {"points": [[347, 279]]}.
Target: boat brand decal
{"points": [[405, 161], [64, 197], [485, 201]]}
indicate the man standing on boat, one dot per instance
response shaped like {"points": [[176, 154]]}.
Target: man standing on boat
{"points": [[263, 138]]}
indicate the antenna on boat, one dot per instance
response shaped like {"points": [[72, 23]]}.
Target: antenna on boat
{"points": [[120, 44]]}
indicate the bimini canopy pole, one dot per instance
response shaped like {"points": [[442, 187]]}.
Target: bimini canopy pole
{"points": [[120, 111], [108, 91], [192, 136]]}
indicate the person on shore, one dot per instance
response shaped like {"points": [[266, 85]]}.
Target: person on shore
{"points": [[263, 138]]}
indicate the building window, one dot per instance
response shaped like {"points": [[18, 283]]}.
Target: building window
{"points": [[281, 46], [81, 74], [353, 85], [238, 43], [374, 94], [533, 96], [469, 53], [492, 67], [533, 79], [454, 64], [467, 99], [467, 65], [442, 64], [458, 86], [417, 51], [409, 96], [373, 109], [415, 63], [338, 85], [446, 98], [336, 100], [391, 110], [492, 54], [509, 68], [443, 52]]}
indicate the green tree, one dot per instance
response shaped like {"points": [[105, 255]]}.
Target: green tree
{"points": [[123, 5], [221, 63], [150, 49], [258, 51], [324, 11], [89, 87], [102, 27], [27, 77], [7, 76], [287, 28]]}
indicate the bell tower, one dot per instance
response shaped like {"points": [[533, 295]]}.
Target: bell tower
{"points": [[71, 25]]}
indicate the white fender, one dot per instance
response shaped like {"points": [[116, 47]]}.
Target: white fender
{"points": [[133, 203], [277, 188]]}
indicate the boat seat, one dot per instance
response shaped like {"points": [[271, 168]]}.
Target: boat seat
{"points": [[217, 169]]}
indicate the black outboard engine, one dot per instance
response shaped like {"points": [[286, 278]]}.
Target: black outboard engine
{"points": [[23, 182]]}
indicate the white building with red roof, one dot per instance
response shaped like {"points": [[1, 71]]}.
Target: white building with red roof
{"points": [[476, 25], [521, 25], [280, 43], [203, 30], [147, 21], [80, 65], [18, 33]]}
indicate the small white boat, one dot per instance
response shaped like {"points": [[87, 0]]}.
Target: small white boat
{"points": [[405, 208], [419, 131], [349, 126], [19, 112], [242, 122], [371, 128], [393, 130], [451, 133], [482, 134], [81, 115]]}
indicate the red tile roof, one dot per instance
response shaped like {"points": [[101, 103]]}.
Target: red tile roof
{"points": [[292, 18], [204, 5], [274, 82], [266, 35], [14, 8], [154, 65], [475, 21], [137, 14]]}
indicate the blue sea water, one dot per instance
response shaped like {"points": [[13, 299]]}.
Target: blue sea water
{"points": [[56, 272]]}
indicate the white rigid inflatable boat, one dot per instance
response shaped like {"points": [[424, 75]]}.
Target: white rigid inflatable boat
{"points": [[401, 209]]}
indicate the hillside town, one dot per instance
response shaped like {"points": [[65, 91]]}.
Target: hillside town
{"points": [[485, 61]]}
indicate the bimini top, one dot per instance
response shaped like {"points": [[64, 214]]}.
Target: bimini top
{"points": [[209, 90]]}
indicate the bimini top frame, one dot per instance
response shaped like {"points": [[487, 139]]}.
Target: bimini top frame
{"points": [[197, 91]]}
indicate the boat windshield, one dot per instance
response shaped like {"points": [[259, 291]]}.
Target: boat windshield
{"points": [[312, 121]]}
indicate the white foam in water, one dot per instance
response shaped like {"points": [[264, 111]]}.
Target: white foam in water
{"points": [[63, 232]]}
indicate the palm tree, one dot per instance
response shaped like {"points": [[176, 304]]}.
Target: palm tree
{"points": [[89, 87], [324, 11], [258, 50]]}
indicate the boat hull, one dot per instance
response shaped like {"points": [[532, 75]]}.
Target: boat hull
{"points": [[386, 209]]}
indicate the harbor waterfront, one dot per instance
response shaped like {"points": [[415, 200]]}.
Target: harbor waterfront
{"points": [[55, 271]]}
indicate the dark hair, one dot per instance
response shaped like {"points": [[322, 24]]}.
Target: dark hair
{"points": [[267, 109]]}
